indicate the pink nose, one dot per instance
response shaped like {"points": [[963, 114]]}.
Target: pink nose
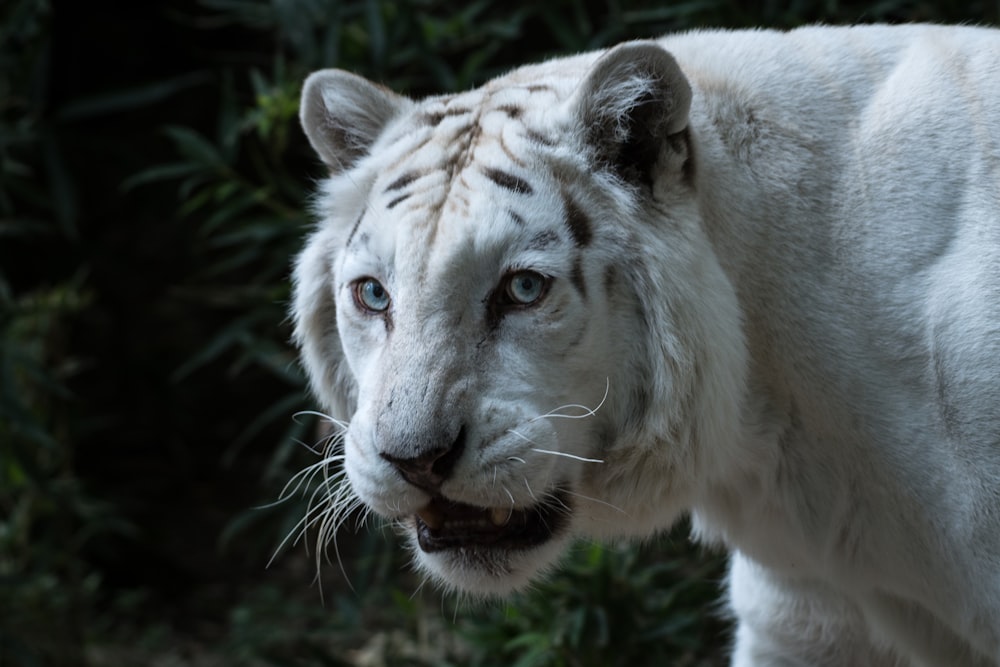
{"points": [[429, 469]]}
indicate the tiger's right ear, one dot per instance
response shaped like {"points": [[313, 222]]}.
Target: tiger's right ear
{"points": [[343, 114], [632, 102]]}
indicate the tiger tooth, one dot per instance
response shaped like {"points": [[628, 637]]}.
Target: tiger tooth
{"points": [[500, 516], [431, 517]]}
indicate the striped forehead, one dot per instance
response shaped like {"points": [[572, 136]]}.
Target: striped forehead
{"points": [[433, 151], [455, 156]]}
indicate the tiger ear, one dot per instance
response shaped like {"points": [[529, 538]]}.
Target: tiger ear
{"points": [[634, 99], [343, 114]]}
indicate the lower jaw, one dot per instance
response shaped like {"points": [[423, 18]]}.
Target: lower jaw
{"points": [[490, 561], [490, 572]]}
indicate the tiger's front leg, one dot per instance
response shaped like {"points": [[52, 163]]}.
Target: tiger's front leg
{"points": [[785, 623]]}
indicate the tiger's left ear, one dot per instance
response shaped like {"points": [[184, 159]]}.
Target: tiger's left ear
{"points": [[631, 103]]}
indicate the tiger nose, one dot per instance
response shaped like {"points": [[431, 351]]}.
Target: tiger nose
{"points": [[429, 469]]}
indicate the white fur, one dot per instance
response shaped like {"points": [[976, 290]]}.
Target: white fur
{"points": [[812, 322]]}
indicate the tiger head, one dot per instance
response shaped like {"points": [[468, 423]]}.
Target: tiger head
{"points": [[512, 308]]}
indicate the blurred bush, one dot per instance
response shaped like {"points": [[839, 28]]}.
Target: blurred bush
{"points": [[153, 188]]}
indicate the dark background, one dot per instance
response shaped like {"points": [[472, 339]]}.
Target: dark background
{"points": [[152, 185]]}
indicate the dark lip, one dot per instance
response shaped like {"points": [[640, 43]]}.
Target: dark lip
{"points": [[462, 526]]}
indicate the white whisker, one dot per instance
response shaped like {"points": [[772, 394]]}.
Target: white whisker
{"points": [[522, 436], [325, 417], [312, 448], [530, 492], [510, 495], [595, 500], [420, 586], [330, 500], [569, 456], [302, 478], [294, 531], [587, 412]]}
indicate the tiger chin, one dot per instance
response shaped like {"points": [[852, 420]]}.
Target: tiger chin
{"points": [[747, 276]]}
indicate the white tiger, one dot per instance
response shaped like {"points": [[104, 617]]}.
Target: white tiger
{"points": [[750, 276]]}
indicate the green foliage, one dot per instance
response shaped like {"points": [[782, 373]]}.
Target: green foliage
{"points": [[46, 515], [36, 191], [40, 500], [607, 606]]}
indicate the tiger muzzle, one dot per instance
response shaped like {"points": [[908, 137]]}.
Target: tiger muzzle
{"points": [[427, 468]]}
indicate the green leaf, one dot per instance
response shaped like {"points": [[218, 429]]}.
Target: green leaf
{"points": [[237, 333], [535, 656], [62, 189], [195, 146], [130, 99], [163, 172], [376, 32]]}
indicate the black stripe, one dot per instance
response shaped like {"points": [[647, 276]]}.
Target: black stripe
{"points": [[576, 277], [578, 222], [402, 181], [434, 118], [508, 181], [513, 111], [538, 138], [397, 200], [542, 240], [688, 169], [354, 230], [610, 279]]}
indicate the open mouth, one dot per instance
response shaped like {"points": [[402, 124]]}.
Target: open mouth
{"points": [[444, 524]]}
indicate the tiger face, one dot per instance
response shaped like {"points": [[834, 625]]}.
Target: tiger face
{"points": [[465, 309]]}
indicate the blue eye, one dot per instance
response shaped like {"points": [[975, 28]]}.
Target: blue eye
{"points": [[371, 296], [525, 287]]}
